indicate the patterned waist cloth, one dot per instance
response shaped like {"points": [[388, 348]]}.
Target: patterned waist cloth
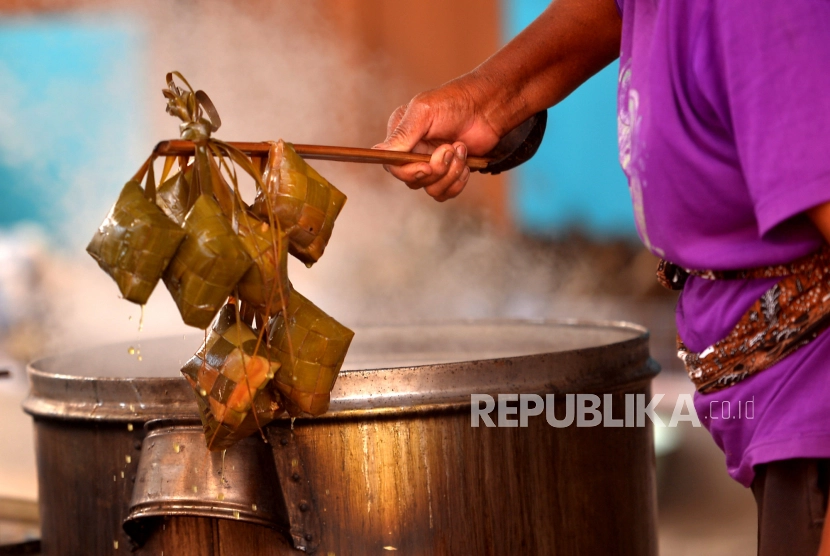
{"points": [[789, 315]]}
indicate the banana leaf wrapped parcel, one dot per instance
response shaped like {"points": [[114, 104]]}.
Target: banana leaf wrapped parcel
{"points": [[208, 265], [135, 243], [230, 375], [311, 347], [265, 286], [305, 203]]}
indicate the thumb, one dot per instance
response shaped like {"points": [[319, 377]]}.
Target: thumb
{"points": [[407, 126]]}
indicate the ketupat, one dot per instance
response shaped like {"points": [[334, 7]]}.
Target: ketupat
{"points": [[135, 243], [265, 286], [208, 265], [224, 248], [230, 376], [311, 347], [172, 195], [305, 203]]}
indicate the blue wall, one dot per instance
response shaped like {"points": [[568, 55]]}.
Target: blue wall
{"points": [[70, 119], [575, 180]]}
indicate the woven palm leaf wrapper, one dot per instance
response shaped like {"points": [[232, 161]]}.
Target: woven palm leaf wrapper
{"points": [[173, 195], [265, 286], [311, 347], [212, 259], [136, 240], [305, 203], [230, 375], [208, 265]]}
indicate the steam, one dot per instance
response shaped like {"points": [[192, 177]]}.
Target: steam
{"points": [[283, 70]]}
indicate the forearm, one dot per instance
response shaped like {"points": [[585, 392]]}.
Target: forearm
{"points": [[571, 41], [567, 44], [820, 215]]}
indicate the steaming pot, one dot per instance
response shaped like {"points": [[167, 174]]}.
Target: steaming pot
{"points": [[395, 466]]}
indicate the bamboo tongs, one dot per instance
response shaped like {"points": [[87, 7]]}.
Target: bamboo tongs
{"points": [[516, 147]]}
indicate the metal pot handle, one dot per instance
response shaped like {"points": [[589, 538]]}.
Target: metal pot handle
{"points": [[177, 476], [303, 518]]}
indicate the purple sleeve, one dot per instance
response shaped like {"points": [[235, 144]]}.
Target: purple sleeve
{"points": [[772, 58]]}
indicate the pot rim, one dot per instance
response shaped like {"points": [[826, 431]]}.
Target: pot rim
{"points": [[604, 367]]}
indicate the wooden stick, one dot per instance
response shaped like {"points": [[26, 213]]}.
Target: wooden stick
{"points": [[320, 152]]}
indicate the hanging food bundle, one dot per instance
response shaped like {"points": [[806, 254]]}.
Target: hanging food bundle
{"points": [[265, 286], [305, 203], [207, 266], [172, 195], [231, 376], [136, 241], [311, 347], [225, 265]]}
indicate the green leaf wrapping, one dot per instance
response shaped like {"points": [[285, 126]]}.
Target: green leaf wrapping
{"points": [[135, 243], [172, 196], [196, 232], [266, 282], [305, 203], [311, 347], [208, 265], [230, 376]]}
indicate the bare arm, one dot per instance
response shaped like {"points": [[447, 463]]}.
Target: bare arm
{"points": [[820, 215], [561, 49], [824, 547]]}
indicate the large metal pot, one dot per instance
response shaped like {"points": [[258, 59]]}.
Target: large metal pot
{"points": [[394, 466]]}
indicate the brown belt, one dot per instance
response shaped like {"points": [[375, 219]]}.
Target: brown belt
{"points": [[787, 316]]}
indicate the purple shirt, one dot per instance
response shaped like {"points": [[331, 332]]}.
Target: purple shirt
{"points": [[724, 134]]}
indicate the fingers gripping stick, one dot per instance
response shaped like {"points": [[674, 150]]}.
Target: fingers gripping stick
{"points": [[515, 148]]}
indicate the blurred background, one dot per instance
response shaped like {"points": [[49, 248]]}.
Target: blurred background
{"points": [[81, 108]]}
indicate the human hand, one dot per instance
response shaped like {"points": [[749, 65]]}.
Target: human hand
{"points": [[567, 44], [449, 123]]}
